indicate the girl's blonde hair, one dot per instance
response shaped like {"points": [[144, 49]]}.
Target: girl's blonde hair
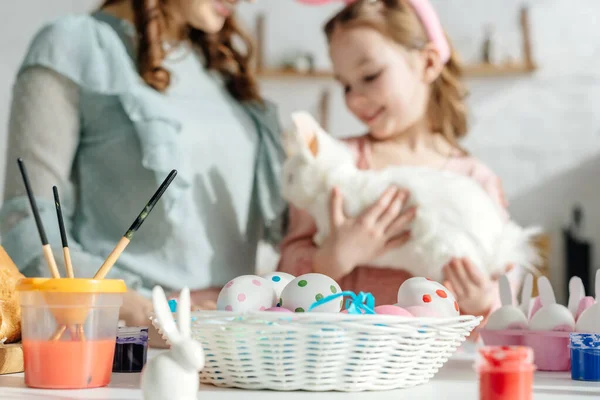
{"points": [[397, 20]]}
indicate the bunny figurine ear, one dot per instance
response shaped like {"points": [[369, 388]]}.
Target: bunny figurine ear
{"points": [[306, 127], [505, 291], [576, 293], [546, 292], [526, 294], [183, 313], [163, 313]]}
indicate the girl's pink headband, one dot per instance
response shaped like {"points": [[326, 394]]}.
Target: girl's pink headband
{"points": [[429, 19]]}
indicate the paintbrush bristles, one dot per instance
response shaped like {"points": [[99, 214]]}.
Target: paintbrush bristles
{"points": [[63, 234]]}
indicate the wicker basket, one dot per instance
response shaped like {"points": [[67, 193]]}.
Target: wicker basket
{"points": [[324, 351]]}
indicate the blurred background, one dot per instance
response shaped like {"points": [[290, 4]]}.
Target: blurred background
{"points": [[532, 69]]}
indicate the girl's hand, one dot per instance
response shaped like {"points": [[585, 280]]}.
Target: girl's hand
{"points": [[474, 291], [205, 299], [356, 241]]}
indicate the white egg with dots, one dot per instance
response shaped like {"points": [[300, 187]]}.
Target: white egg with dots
{"points": [[305, 290], [279, 280], [247, 293], [428, 295]]}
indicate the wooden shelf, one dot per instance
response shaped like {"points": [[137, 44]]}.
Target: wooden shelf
{"points": [[490, 70], [475, 70], [524, 67]]}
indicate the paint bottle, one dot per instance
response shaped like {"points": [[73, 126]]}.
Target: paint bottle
{"points": [[585, 356], [505, 373], [130, 349]]}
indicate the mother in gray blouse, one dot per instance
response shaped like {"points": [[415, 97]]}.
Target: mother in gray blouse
{"points": [[104, 106]]}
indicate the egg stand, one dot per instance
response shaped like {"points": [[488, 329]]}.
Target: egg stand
{"points": [[75, 317]]}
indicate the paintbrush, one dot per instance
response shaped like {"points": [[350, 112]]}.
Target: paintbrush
{"points": [[122, 244]]}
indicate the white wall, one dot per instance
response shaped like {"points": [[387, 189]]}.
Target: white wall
{"points": [[539, 133]]}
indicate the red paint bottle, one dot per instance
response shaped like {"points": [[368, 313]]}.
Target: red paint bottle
{"points": [[505, 373]]}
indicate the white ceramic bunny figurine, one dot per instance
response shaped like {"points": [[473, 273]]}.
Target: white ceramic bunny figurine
{"points": [[455, 216], [174, 375]]}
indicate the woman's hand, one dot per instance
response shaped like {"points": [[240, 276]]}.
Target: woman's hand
{"points": [[205, 299], [474, 291], [357, 241], [136, 309]]}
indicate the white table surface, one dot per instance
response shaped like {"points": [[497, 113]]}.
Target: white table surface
{"points": [[456, 378]]}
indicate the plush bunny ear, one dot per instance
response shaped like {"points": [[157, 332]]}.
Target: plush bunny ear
{"points": [[183, 313], [505, 291], [306, 127], [163, 313], [546, 292], [526, 294], [576, 293]]}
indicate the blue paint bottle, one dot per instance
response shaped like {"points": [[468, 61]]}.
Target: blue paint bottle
{"points": [[585, 356]]}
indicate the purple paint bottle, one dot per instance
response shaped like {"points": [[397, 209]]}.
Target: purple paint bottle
{"points": [[130, 349]]}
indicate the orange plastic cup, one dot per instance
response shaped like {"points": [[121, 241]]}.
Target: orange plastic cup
{"points": [[74, 361]]}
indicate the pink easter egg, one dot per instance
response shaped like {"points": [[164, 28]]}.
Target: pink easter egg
{"points": [[278, 309], [420, 311], [584, 304], [392, 310], [537, 304]]}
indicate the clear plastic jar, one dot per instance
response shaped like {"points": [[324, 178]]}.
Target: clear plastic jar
{"points": [[69, 328]]}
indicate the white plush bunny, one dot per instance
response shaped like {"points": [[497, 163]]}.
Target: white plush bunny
{"points": [[455, 216], [174, 374]]}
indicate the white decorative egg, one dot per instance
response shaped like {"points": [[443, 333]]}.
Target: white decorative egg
{"points": [[247, 293], [507, 317], [279, 280], [423, 292], [553, 317], [307, 289], [589, 320]]}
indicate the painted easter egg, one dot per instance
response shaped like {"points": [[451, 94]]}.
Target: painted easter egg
{"points": [[426, 293], [392, 310], [422, 312], [279, 281], [307, 289], [247, 293]]}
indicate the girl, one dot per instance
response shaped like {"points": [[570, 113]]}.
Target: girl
{"points": [[401, 78], [104, 106]]}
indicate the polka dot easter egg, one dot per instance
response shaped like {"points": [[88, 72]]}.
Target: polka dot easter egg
{"points": [[424, 294], [279, 281], [247, 293], [307, 289]]}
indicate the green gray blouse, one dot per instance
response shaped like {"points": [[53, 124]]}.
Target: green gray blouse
{"points": [[122, 140]]}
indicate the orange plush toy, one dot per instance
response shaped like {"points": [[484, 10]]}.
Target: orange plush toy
{"points": [[10, 311]]}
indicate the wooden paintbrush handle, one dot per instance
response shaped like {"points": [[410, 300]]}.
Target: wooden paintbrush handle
{"points": [[112, 258], [51, 261], [68, 264]]}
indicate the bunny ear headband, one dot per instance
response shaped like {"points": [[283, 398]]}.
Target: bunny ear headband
{"points": [[428, 18]]}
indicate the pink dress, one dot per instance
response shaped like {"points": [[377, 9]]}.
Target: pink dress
{"points": [[297, 248]]}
